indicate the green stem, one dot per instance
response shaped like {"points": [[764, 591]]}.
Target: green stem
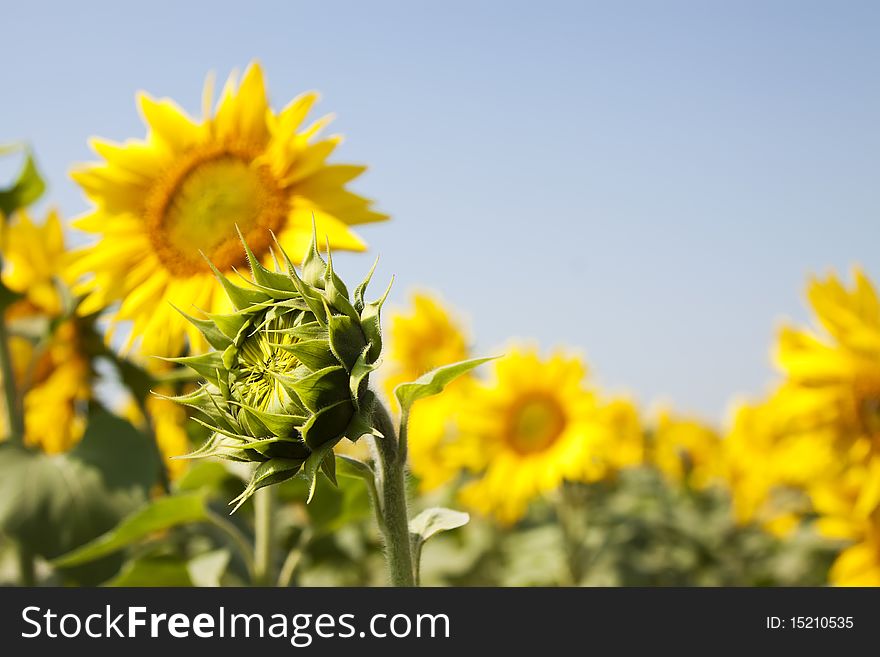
{"points": [[26, 566], [288, 568], [570, 509], [392, 486], [264, 538], [12, 407], [244, 547]]}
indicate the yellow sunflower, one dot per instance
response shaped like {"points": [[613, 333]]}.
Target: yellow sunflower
{"points": [[833, 376], [161, 201], [168, 422], [849, 509], [534, 425], [686, 450], [418, 341], [769, 464], [54, 374]]}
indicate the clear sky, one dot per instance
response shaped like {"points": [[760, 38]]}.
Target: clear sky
{"points": [[648, 182]]}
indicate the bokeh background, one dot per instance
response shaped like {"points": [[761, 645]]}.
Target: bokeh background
{"points": [[659, 176]]}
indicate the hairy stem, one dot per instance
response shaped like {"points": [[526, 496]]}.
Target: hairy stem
{"points": [[264, 538], [392, 487], [12, 402]]}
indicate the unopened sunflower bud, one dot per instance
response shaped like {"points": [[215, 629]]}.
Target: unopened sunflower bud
{"points": [[287, 378]]}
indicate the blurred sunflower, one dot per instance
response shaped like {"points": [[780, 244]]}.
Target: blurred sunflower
{"points": [[168, 421], [527, 430], [47, 345], [833, 380], [420, 340], [768, 464], [686, 450], [849, 510], [183, 190], [428, 337]]}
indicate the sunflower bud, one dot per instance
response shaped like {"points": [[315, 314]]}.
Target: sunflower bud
{"points": [[287, 378]]}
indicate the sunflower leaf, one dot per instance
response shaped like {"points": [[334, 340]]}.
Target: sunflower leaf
{"points": [[433, 382], [28, 186]]}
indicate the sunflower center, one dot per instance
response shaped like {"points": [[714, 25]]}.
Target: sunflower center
{"points": [[535, 424], [197, 204], [261, 360]]}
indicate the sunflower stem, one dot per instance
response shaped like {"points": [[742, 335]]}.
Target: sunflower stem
{"points": [[264, 538], [392, 486], [12, 402]]}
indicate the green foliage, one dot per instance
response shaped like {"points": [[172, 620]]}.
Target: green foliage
{"points": [[53, 504], [27, 188], [429, 522], [433, 382], [158, 515]]}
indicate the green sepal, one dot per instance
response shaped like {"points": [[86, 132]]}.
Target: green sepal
{"points": [[359, 373], [279, 424], [270, 472], [322, 388], [328, 424], [313, 465], [371, 323], [328, 466], [336, 292], [313, 265], [204, 364], [230, 325], [239, 296], [361, 289], [208, 329], [346, 339], [265, 278], [314, 354]]}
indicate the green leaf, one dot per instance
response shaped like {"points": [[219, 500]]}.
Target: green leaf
{"points": [[207, 569], [347, 466], [53, 504], [27, 188], [161, 514], [153, 570], [429, 522], [433, 382], [435, 520]]}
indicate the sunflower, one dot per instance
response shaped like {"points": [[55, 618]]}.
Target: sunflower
{"points": [[768, 464], [53, 372], [168, 423], [685, 450], [427, 337], [532, 426], [162, 202], [833, 375], [849, 510]]}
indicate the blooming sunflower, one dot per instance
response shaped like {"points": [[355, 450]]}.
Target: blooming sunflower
{"points": [[427, 337], [833, 376], [54, 374], [685, 450], [162, 202], [168, 423], [849, 509], [532, 426]]}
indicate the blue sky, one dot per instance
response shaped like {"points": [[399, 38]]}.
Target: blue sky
{"points": [[648, 183]]}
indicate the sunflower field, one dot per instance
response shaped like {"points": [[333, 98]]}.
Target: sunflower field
{"points": [[193, 396]]}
